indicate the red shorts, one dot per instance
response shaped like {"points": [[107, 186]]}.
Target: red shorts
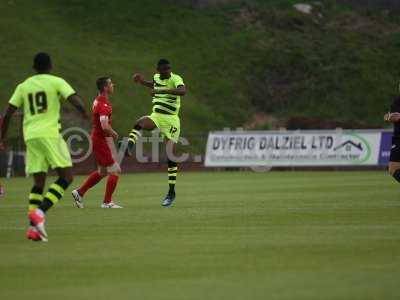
{"points": [[102, 151]]}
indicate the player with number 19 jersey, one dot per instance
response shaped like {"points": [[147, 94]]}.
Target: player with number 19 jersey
{"points": [[40, 97]]}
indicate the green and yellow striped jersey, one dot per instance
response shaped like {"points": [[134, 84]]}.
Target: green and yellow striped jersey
{"points": [[166, 103], [39, 96]]}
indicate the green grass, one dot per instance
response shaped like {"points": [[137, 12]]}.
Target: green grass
{"points": [[231, 235]]}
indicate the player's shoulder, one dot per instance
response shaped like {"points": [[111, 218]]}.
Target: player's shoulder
{"points": [[102, 102], [55, 78], [156, 76], [27, 83], [101, 99], [20, 85], [176, 77], [50, 78]]}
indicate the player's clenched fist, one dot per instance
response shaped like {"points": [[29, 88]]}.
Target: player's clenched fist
{"points": [[137, 78], [386, 117], [392, 117]]}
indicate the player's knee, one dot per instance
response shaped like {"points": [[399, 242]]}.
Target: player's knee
{"points": [[138, 125], [116, 170], [102, 172], [145, 123]]}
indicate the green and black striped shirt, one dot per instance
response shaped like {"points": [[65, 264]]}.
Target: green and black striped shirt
{"points": [[167, 103]]}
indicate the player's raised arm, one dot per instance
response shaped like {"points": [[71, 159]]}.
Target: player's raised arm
{"points": [[138, 78], [392, 117], [77, 102]]}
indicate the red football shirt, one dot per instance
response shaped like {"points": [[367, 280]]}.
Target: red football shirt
{"points": [[101, 107]]}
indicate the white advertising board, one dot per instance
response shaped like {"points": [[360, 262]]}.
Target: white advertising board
{"points": [[293, 148]]}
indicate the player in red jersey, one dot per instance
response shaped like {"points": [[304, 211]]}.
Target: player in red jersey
{"points": [[103, 147]]}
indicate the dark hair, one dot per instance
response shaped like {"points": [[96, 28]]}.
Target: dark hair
{"points": [[162, 62], [101, 83], [42, 62]]}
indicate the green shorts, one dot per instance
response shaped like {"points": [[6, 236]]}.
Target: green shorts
{"points": [[42, 153], [169, 125]]}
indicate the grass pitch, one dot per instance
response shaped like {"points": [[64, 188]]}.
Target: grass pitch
{"points": [[230, 235]]}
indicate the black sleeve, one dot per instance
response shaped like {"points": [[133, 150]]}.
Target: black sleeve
{"points": [[395, 107]]}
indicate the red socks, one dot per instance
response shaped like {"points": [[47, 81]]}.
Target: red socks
{"points": [[111, 184], [94, 179], [90, 182]]}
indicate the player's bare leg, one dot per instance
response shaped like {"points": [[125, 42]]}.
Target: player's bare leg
{"points": [[172, 172], [144, 123]]}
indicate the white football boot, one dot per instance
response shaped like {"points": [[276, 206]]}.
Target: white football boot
{"points": [[78, 199], [110, 205]]}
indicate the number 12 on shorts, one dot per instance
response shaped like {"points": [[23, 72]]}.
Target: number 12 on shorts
{"points": [[173, 130]]}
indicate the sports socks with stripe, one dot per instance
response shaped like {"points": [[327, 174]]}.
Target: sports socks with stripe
{"points": [[134, 134], [35, 197], [172, 172], [54, 194]]}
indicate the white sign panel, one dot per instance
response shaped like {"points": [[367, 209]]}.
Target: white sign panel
{"points": [[293, 148]]}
